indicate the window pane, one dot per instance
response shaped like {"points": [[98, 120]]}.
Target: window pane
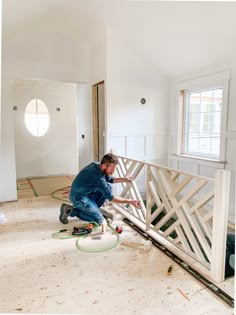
{"points": [[36, 117], [194, 102], [193, 143], [215, 145], [203, 122], [206, 122], [216, 120], [194, 122], [217, 100], [206, 101], [31, 124], [205, 145]]}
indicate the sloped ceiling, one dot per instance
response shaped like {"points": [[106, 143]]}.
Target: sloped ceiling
{"points": [[176, 37]]}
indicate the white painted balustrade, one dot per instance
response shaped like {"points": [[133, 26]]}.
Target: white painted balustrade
{"points": [[185, 212]]}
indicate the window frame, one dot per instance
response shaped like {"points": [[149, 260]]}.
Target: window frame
{"points": [[200, 84]]}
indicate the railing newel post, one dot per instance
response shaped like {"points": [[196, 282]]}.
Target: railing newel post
{"points": [[220, 220]]}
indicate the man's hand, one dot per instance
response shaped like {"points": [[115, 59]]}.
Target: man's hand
{"points": [[135, 203], [128, 179]]}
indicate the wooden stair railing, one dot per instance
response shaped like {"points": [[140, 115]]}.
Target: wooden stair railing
{"points": [[188, 213]]}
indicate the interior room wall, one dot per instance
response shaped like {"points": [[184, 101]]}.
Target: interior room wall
{"points": [[85, 124], [32, 54], [98, 62], [98, 73], [56, 152], [0, 76], [197, 166], [134, 129]]}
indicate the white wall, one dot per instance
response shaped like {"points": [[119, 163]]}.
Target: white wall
{"points": [[197, 166], [56, 152], [85, 124], [37, 53], [136, 130], [1, 71], [98, 74], [98, 62]]}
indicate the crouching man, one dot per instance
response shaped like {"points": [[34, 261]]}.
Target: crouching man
{"points": [[91, 188]]}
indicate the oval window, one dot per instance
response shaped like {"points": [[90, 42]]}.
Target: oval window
{"points": [[36, 117]]}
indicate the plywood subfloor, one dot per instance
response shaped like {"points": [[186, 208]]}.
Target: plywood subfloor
{"points": [[41, 274], [44, 186]]}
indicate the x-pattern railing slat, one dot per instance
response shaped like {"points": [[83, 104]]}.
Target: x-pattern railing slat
{"points": [[132, 169], [186, 219], [181, 185], [159, 187], [171, 228], [204, 199]]}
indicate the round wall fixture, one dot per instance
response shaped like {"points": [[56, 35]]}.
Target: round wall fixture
{"points": [[143, 100], [14, 107], [58, 109]]}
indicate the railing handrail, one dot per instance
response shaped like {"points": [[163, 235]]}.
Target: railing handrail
{"points": [[167, 168]]}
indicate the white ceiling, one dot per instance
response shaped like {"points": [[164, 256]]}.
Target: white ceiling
{"points": [[176, 37]]}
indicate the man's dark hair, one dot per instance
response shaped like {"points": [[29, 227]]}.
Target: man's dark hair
{"points": [[109, 159]]}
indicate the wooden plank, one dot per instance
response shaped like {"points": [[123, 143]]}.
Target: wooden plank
{"points": [[175, 175], [171, 228], [203, 201], [194, 226], [156, 179], [181, 185], [126, 185], [154, 193], [194, 190], [199, 233], [207, 228], [183, 242], [208, 216], [166, 218], [190, 235]]}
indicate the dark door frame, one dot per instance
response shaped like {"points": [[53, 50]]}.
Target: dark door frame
{"points": [[96, 120]]}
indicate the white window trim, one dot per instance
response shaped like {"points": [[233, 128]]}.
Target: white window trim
{"points": [[200, 83]]}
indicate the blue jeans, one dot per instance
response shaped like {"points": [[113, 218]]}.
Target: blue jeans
{"points": [[87, 210]]}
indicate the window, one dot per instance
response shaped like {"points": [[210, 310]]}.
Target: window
{"points": [[202, 122], [36, 117], [202, 117]]}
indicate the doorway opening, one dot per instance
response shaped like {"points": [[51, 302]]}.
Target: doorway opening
{"points": [[44, 156]]}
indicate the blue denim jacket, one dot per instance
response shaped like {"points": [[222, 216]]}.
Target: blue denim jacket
{"points": [[92, 183]]}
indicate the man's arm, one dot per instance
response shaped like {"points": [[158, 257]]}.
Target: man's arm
{"points": [[135, 203], [122, 180]]}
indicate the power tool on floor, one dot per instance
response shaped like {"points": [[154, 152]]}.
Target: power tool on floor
{"points": [[82, 230]]}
